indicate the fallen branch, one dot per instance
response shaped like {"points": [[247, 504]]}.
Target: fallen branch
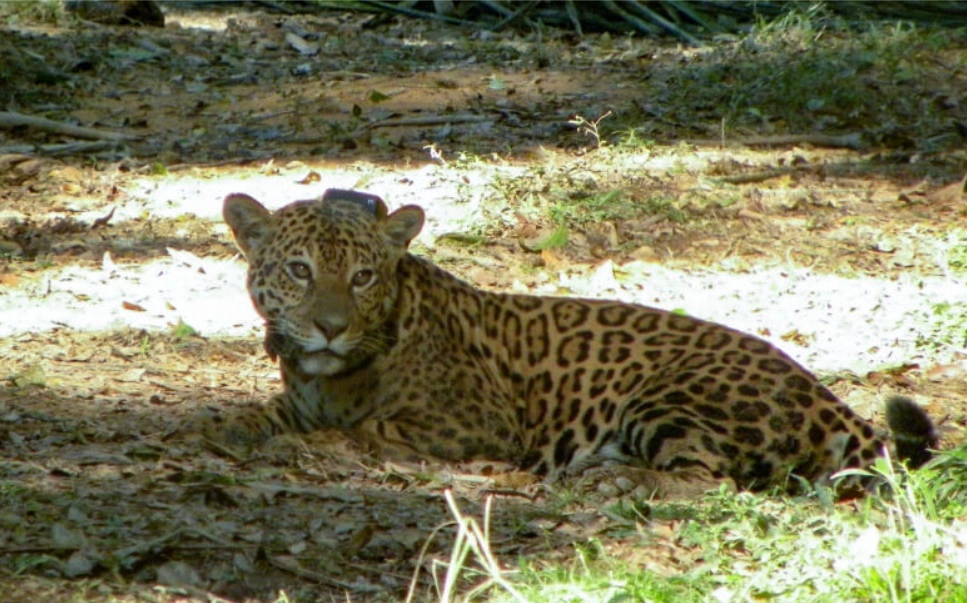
{"points": [[846, 141], [59, 150], [9, 120], [757, 176]]}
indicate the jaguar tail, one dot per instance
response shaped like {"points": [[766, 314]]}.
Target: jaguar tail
{"points": [[913, 431]]}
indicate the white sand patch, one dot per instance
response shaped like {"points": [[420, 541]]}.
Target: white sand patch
{"points": [[855, 324], [831, 323]]}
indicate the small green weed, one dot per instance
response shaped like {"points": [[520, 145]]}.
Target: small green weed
{"points": [[582, 210], [557, 239], [954, 250], [183, 331], [590, 579], [945, 328], [665, 207], [590, 128], [631, 140], [592, 208]]}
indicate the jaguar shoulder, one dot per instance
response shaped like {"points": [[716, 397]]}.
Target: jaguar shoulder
{"points": [[419, 364]]}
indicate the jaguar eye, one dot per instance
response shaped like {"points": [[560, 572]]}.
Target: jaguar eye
{"points": [[300, 270], [362, 278]]}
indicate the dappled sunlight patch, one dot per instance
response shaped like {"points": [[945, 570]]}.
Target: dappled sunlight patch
{"points": [[207, 294]]}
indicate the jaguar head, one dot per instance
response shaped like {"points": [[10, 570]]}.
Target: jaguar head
{"points": [[323, 274]]}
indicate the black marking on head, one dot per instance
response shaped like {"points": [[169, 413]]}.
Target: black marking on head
{"points": [[368, 201]]}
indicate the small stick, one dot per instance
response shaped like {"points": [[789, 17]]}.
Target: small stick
{"points": [[426, 120], [10, 119], [845, 141]]}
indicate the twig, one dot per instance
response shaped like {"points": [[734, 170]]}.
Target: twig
{"points": [[220, 449], [9, 119], [148, 546], [37, 548], [294, 567], [758, 176], [75, 148], [707, 24], [501, 10], [506, 492], [514, 16], [276, 6], [632, 20], [425, 120], [665, 23], [572, 14]]}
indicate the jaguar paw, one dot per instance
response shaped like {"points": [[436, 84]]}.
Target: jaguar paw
{"points": [[226, 432], [642, 484]]}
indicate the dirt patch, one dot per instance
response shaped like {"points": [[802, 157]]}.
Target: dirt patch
{"points": [[122, 310]]}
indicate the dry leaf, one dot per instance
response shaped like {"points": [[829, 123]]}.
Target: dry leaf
{"points": [[312, 176], [552, 260], [951, 194], [301, 45], [645, 253], [79, 564], [103, 220], [12, 249], [895, 376], [360, 539], [526, 228], [178, 573], [914, 194], [942, 372], [750, 214], [796, 337], [65, 538], [32, 375], [131, 376], [513, 480]]}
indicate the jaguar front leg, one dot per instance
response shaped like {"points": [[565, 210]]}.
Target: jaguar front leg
{"points": [[243, 428], [413, 439]]}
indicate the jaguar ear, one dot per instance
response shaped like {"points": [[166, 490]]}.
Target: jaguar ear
{"points": [[250, 222], [404, 224]]}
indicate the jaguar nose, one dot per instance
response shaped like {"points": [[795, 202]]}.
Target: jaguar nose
{"points": [[329, 327]]}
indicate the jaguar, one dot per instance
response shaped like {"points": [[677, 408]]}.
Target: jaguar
{"points": [[418, 364]]}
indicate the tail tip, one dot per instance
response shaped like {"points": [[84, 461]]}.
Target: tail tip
{"points": [[912, 429]]}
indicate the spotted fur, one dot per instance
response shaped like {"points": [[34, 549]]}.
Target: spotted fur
{"points": [[419, 364]]}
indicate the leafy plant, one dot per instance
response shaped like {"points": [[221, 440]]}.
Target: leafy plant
{"points": [[590, 127]]}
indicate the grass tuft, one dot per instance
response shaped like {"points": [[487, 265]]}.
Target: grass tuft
{"points": [[907, 543]]}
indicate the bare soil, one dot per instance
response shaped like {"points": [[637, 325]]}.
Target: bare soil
{"points": [[123, 311]]}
